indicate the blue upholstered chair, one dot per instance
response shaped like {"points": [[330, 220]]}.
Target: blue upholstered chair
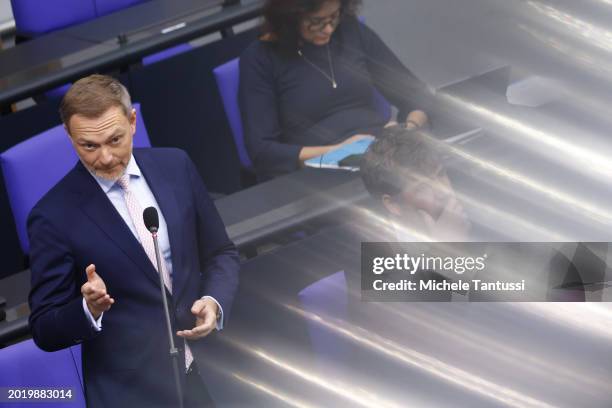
{"points": [[228, 81], [32, 167], [59, 92], [25, 366], [328, 299], [167, 53], [35, 17]]}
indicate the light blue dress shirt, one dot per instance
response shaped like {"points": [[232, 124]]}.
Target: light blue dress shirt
{"points": [[139, 187]]}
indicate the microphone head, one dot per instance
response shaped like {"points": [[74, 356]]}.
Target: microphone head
{"points": [[151, 219]]}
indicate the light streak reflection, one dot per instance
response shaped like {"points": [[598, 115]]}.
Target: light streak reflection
{"points": [[500, 351], [587, 160], [355, 395], [588, 318], [267, 389], [590, 33], [426, 363]]}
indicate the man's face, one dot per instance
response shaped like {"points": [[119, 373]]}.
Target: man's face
{"points": [[318, 27], [429, 194], [104, 144]]}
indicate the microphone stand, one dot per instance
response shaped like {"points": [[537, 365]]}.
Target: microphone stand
{"points": [[174, 354]]}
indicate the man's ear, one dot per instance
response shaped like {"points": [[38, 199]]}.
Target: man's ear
{"points": [[391, 205], [133, 121]]}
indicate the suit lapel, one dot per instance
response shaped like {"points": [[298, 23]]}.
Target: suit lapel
{"points": [[161, 185], [101, 211]]}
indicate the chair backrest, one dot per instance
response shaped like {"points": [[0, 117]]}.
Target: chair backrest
{"points": [[59, 92], [327, 298], [25, 366], [167, 53], [35, 165], [228, 81], [35, 17]]}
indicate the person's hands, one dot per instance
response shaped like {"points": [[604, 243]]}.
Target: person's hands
{"points": [[416, 119], [205, 311], [451, 226], [94, 292]]}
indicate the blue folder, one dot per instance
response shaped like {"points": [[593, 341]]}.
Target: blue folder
{"points": [[331, 159]]}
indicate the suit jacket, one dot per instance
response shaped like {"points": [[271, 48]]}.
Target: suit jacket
{"points": [[74, 225]]}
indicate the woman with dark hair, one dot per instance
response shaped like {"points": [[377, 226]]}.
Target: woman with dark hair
{"points": [[307, 84]]}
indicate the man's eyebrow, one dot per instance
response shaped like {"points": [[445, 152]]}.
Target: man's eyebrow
{"points": [[82, 140], [117, 133]]}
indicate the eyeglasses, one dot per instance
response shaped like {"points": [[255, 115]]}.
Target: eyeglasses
{"points": [[318, 24]]}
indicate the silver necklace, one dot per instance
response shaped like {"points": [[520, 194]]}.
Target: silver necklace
{"points": [[331, 78]]}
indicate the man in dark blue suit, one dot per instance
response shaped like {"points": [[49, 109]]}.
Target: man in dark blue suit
{"points": [[94, 277]]}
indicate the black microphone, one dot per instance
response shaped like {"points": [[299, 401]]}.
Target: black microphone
{"points": [[151, 219]]}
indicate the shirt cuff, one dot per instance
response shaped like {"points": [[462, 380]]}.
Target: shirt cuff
{"points": [[96, 324], [220, 319]]}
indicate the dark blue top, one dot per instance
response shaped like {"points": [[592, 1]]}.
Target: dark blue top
{"points": [[286, 103]]}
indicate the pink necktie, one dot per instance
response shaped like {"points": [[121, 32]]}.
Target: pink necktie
{"points": [[146, 240]]}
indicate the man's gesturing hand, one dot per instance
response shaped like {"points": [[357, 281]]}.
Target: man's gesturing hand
{"points": [[205, 311], [94, 292]]}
